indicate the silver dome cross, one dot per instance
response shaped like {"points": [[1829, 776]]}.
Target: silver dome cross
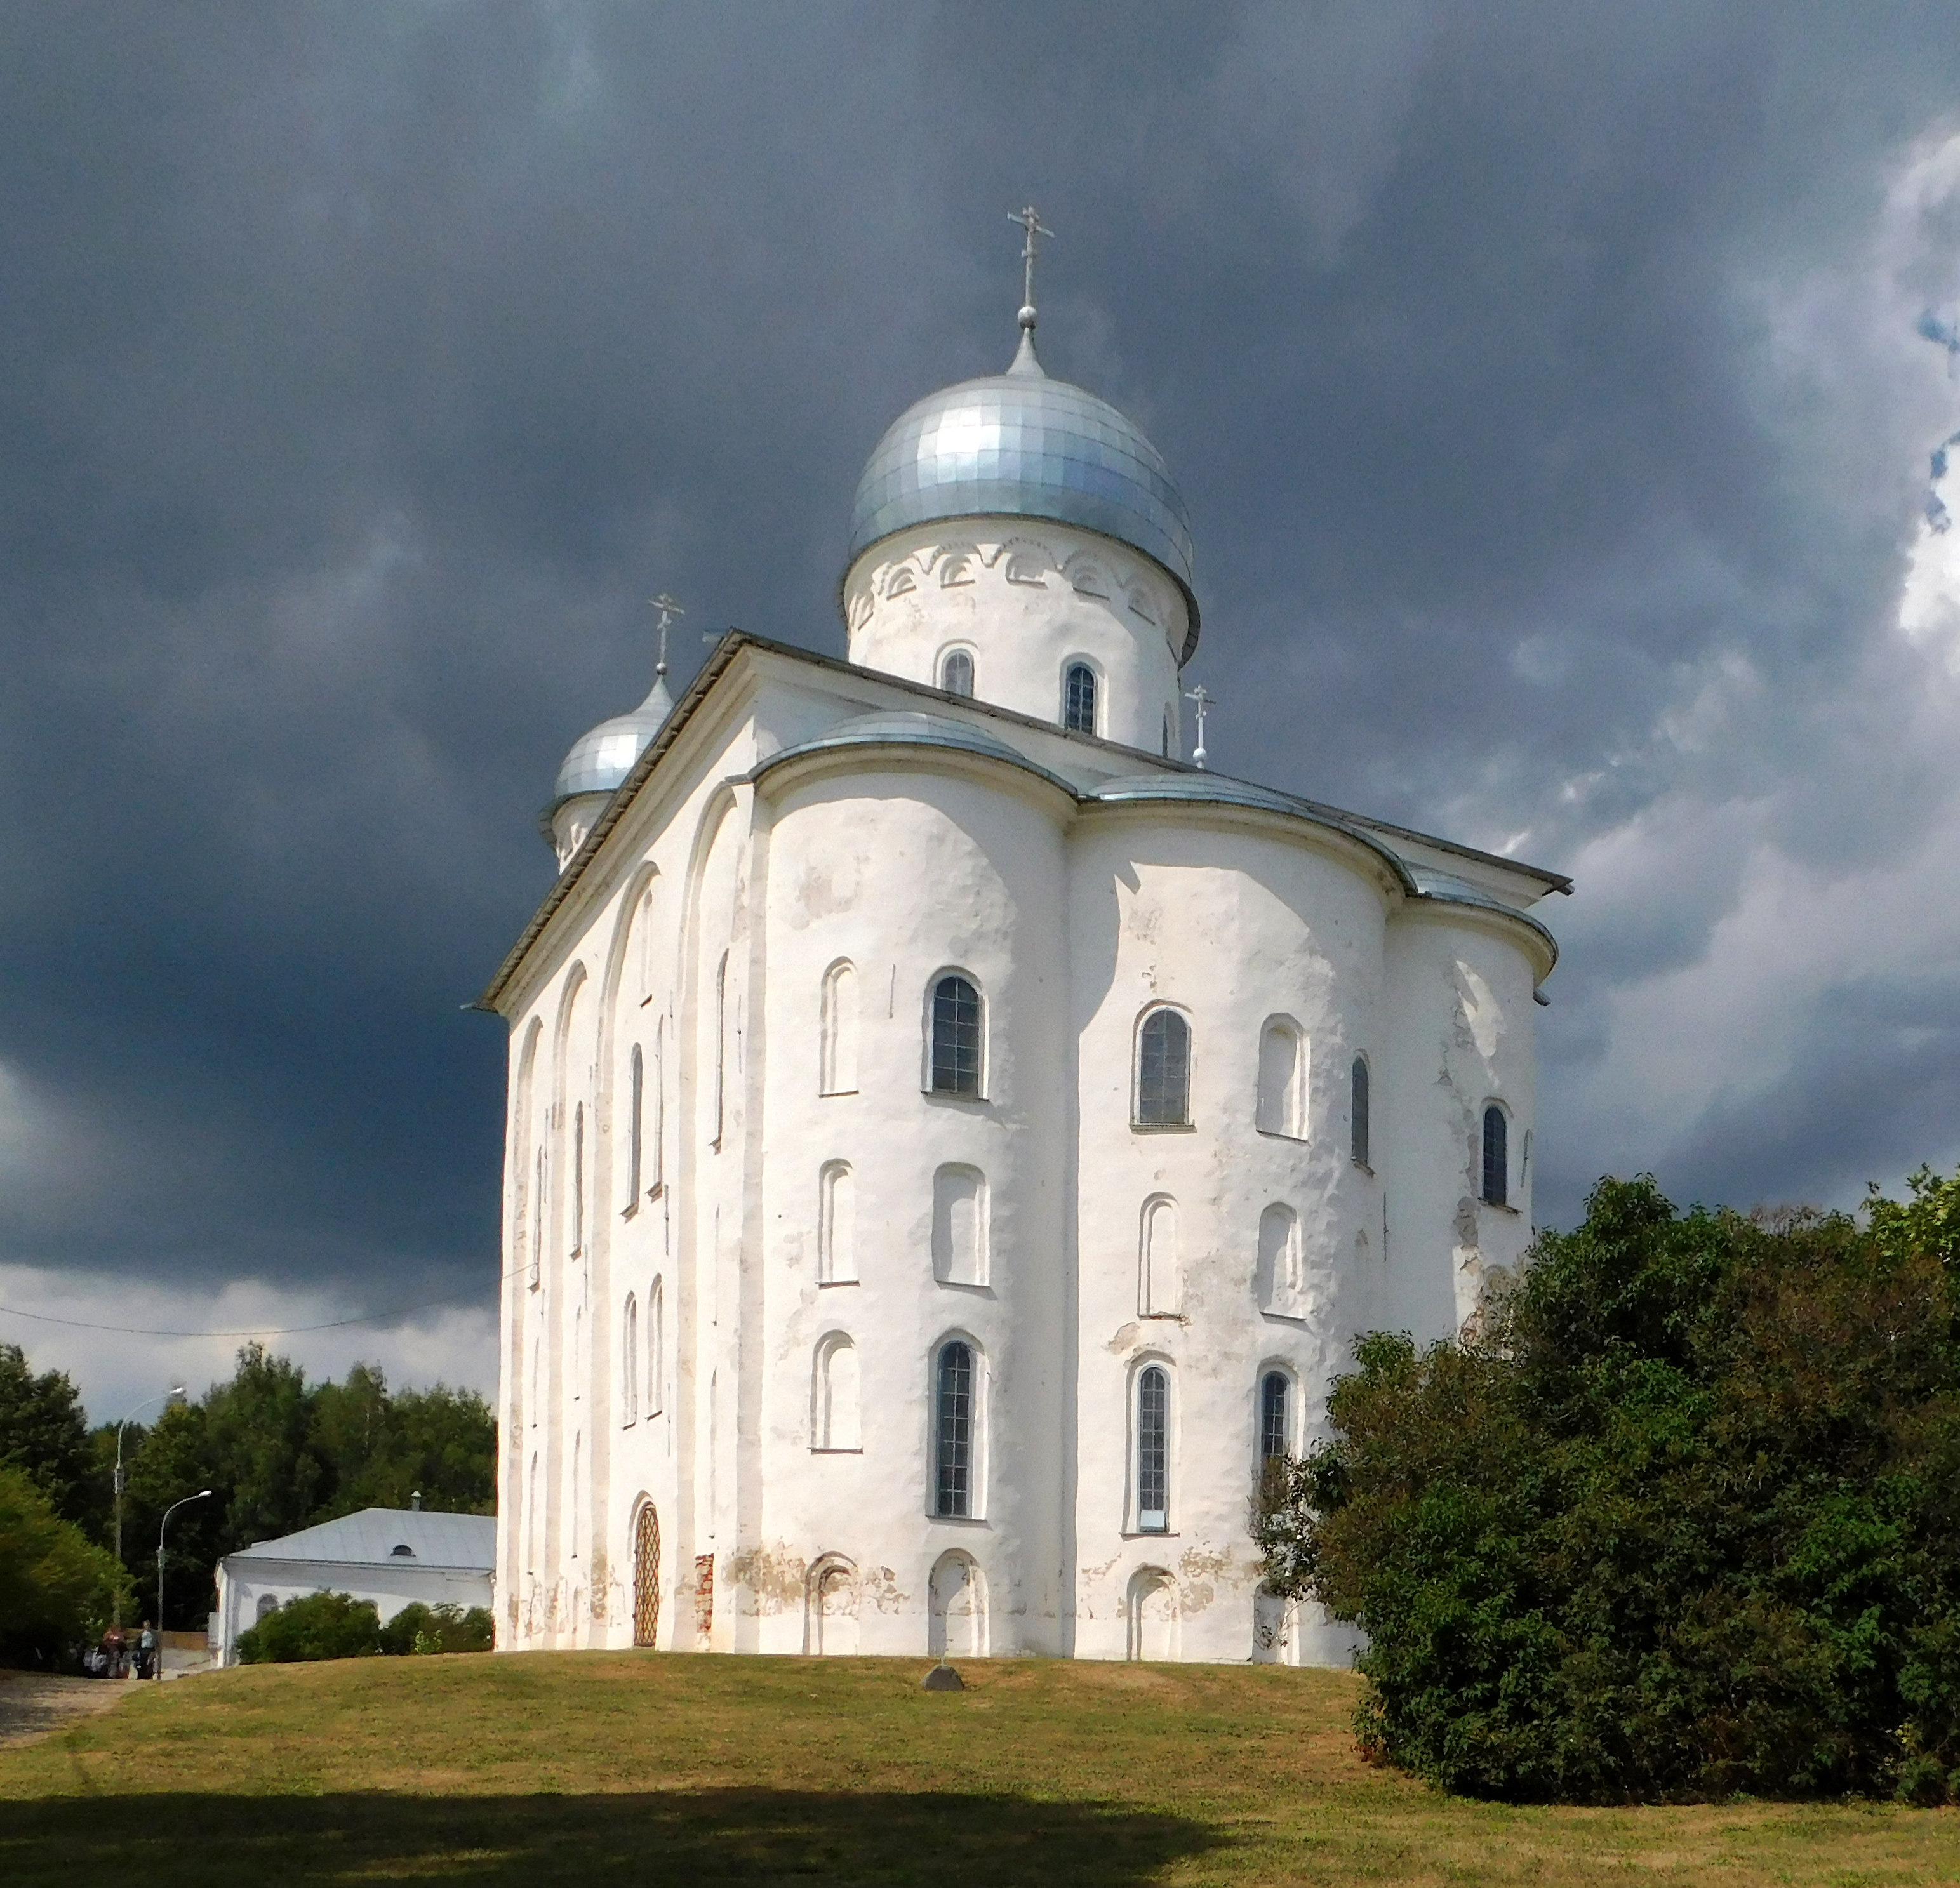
{"points": [[1201, 699], [669, 610], [1029, 220]]}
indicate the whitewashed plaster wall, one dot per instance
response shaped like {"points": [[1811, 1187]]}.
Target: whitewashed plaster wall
{"points": [[1026, 599], [1070, 919]]}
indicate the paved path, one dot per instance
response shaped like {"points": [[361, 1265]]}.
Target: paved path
{"points": [[32, 1706]]}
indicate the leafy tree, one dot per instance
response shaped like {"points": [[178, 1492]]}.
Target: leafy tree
{"points": [[56, 1586], [418, 1627], [1681, 1519], [317, 1625], [44, 1434]]}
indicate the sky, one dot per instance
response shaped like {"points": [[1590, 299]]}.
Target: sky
{"points": [[1556, 392]]}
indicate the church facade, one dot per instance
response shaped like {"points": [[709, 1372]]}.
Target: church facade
{"points": [[953, 1140]]}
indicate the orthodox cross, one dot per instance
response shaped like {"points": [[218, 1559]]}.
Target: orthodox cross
{"points": [[1200, 700], [1030, 220], [669, 610]]}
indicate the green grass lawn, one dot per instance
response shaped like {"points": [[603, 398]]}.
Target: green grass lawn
{"points": [[551, 1767]]}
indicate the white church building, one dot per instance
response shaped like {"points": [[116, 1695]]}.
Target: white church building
{"points": [[953, 1140]]}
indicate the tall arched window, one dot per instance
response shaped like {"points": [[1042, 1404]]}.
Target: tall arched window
{"points": [[1359, 1111], [955, 672], [636, 1101], [955, 1038], [629, 1359], [953, 1430], [1282, 1101], [1497, 1162], [837, 1052], [1078, 699], [1153, 1449], [657, 1309], [837, 1225], [1164, 1070], [834, 1395], [1274, 1392]]}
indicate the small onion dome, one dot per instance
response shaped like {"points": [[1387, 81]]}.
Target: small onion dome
{"points": [[600, 760], [1019, 445]]}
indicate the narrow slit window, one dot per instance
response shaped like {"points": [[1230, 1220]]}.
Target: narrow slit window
{"points": [[1078, 699], [629, 1376], [656, 1349], [1153, 1450], [1274, 1392], [1164, 1070], [721, 1043], [955, 672], [837, 1073], [636, 1104], [1497, 1162], [955, 1038], [578, 1180], [1359, 1112], [953, 1450]]}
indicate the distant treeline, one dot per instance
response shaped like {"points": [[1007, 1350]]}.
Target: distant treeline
{"points": [[279, 1452]]}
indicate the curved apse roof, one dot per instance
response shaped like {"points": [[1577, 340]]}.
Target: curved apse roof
{"points": [[1019, 445]]}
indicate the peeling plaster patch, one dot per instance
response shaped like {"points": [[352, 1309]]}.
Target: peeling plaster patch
{"points": [[777, 1579], [1199, 1570], [884, 1590], [1123, 1340], [1482, 1012]]}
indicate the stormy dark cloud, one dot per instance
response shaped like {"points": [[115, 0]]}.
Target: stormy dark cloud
{"points": [[1547, 384]]}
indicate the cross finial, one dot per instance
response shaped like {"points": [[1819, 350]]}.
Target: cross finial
{"points": [[1029, 220], [1201, 699], [669, 610]]}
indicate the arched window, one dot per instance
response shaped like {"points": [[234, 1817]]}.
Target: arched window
{"points": [[1156, 1268], [1164, 1070], [955, 672], [636, 1083], [269, 1604], [1282, 1108], [1497, 1162], [838, 1050], [1359, 1111], [656, 1311], [953, 1430], [837, 1225], [655, 1175], [1153, 1449], [1280, 1282], [960, 1226], [834, 1395], [1078, 699], [629, 1358], [1274, 1391], [542, 1175], [578, 1180], [955, 1038]]}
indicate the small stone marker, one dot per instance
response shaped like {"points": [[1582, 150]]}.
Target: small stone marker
{"points": [[943, 1677]]}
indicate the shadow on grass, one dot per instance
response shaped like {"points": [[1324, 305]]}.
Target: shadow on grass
{"points": [[678, 1836]]}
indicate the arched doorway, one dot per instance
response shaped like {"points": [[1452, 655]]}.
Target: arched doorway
{"points": [[646, 1575], [1153, 1615]]}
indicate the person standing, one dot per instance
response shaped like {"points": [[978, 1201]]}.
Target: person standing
{"points": [[149, 1663]]}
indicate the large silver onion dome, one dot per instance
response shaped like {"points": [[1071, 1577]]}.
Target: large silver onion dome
{"points": [[600, 760], [1019, 445]]}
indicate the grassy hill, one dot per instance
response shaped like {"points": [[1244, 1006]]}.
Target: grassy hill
{"points": [[569, 1768]]}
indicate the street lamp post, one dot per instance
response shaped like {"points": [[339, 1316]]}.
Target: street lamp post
{"points": [[161, 1526], [175, 1389]]}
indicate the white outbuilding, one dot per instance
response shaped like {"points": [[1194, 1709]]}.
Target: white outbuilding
{"points": [[953, 1140], [391, 1555]]}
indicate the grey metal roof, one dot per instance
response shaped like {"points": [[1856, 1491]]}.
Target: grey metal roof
{"points": [[1019, 445], [371, 1537], [903, 728]]}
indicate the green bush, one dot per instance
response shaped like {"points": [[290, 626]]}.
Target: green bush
{"points": [[56, 1586], [418, 1627], [1680, 1519], [316, 1625]]}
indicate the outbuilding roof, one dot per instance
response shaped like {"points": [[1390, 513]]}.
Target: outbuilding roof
{"points": [[388, 1536]]}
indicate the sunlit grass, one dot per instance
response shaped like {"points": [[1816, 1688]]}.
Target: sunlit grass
{"points": [[554, 1767]]}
